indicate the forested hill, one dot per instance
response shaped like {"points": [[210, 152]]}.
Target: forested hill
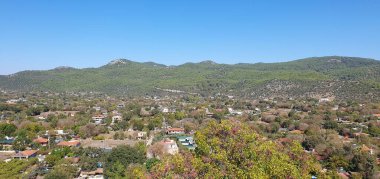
{"points": [[333, 76]]}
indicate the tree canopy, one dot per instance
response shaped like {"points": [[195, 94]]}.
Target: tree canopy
{"points": [[233, 150]]}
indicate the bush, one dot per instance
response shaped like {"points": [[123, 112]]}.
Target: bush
{"points": [[99, 137]]}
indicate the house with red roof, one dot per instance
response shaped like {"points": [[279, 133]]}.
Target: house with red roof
{"points": [[42, 141], [25, 154], [175, 131]]}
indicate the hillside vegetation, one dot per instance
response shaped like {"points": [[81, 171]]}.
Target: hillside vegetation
{"points": [[334, 76]]}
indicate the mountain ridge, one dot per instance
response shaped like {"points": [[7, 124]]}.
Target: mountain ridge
{"points": [[126, 61], [337, 76]]}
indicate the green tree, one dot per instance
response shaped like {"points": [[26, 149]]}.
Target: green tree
{"points": [[7, 129], [330, 124], [179, 115], [364, 163], [22, 141], [116, 170], [135, 171], [121, 156], [336, 161], [150, 163], [89, 158], [138, 124], [64, 170], [233, 150], [374, 130]]}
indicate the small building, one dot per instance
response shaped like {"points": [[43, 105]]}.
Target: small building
{"points": [[13, 101], [41, 158], [175, 131], [187, 141], [234, 112], [208, 113], [141, 135], [25, 154], [42, 141], [73, 143], [58, 132], [168, 110], [323, 100], [98, 119], [7, 143], [165, 110], [96, 174], [170, 146], [116, 118]]}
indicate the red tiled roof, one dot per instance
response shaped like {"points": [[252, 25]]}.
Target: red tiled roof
{"points": [[40, 140], [28, 152]]}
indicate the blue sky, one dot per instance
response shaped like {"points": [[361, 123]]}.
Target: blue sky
{"points": [[38, 35]]}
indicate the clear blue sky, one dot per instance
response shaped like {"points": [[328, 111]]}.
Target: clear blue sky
{"points": [[88, 33]]}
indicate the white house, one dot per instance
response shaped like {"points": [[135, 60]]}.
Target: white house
{"points": [[165, 110], [116, 118], [98, 119], [141, 135], [170, 146], [324, 100], [234, 112]]}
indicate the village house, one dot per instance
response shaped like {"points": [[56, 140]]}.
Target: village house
{"points": [[104, 112], [58, 132], [141, 135], [175, 131], [187, 141], [96, 174], [170, 146], [116, 118], [165, 110], [168, 109], [208, 113], [42, 141], [14, 101], [7, 143], [322, 100], [98, 119], [234, 112], [25, 154], [120, 105]]}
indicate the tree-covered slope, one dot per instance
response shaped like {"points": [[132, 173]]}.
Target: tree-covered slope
{"points": [[336, 76]]}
